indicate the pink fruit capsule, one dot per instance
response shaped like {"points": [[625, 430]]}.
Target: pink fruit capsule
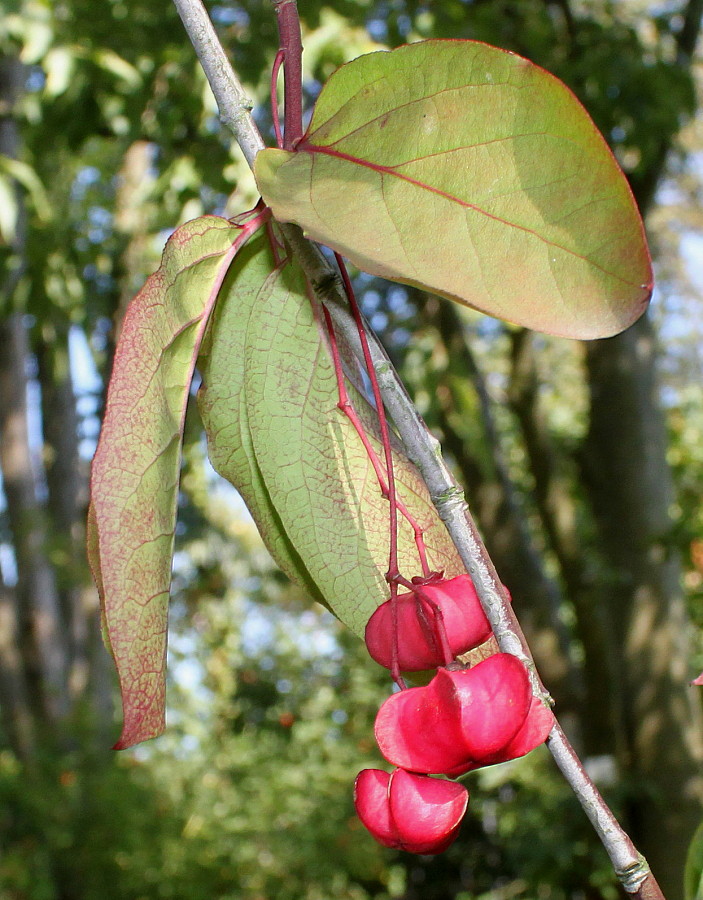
{"points": [[463, 720], [452, 605], [410, 812]]}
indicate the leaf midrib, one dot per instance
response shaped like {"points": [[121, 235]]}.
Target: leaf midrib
{"points": [[388, 170]]}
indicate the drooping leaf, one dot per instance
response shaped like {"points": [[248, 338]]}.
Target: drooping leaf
{"points": [[223, 407], [134, 480], [470, 172], [269, 390]]}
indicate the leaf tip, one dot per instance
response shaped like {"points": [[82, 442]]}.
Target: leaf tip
{"points": [[137, 729]]}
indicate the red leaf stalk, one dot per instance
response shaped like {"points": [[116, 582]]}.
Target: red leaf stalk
{"points": [[292, 49]]}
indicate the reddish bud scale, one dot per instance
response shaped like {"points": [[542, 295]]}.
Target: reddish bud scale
{"points": [[463, 720], [410, 812], [419, 637]]}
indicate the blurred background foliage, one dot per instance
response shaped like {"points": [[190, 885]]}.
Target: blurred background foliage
{"points": [[584, 465]]}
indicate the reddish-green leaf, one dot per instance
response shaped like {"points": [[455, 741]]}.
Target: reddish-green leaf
{"points": [[134, 482], [269, 404], [470, 172]]}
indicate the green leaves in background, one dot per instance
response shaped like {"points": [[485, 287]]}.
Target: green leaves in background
{"points": [[269, 405], [693, 875], [134, 481], [470, 172]]}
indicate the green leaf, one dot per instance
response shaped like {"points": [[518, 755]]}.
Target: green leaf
{"points": [[470, 172], [693, 873], [134, 480], [223, 408], [8, 210], [30, 181], [110, 61], [269, 405]]}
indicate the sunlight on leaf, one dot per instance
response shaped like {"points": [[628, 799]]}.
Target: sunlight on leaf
{"points": [[26, 176], [468, 171]]}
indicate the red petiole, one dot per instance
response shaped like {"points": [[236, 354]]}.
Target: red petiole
{"points": [[292, 55]]}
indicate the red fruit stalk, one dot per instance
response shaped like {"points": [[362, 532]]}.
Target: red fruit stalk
{"points": [[388, 489], [345, 405], [382, 423]]}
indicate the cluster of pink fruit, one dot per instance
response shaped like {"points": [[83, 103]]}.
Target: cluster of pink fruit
{"points": [[463, 719]]}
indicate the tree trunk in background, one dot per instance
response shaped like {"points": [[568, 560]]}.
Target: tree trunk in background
{"points": [[50, 659], [14, 696], [555, 499], [631, 491], [35, 673], [88, 686], [42, 640], [135, 181]]}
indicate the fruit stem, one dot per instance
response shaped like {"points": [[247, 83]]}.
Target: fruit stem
{"points": [[393, 572], [345, 405]]}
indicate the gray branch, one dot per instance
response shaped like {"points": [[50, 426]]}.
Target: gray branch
{"points": [[232, 101], [425, 452]]}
